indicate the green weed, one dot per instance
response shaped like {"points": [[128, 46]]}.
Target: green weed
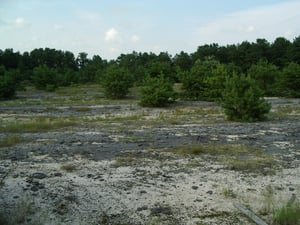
{"points": [[287, 215]]}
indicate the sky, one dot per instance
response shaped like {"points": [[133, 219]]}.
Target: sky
{"points": [[111, 27]]}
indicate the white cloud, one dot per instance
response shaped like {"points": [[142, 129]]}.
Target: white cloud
{"points": [[250, 28], [111, 35], [135, 38], [263, 22], [19, 22]]}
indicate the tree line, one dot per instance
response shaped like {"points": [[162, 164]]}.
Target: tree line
{"points": [[203, 74]]}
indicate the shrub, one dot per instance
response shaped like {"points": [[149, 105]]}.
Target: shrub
{"points": [[265, 74], [7, 85], [290, 81], [116, 82], [205, 80], [242, 100], [156, 92], [45, 78]]}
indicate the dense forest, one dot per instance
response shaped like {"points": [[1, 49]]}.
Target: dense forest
{"points": [[275, 67]]}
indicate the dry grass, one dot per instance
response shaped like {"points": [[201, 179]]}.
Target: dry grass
{"points": [[235, 156], [11, 141], [69, 167], [35, 125]]}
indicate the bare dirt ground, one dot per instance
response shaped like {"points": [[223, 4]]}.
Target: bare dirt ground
{"points": [[72, 157]]}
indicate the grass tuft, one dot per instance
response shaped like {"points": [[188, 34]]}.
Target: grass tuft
{"points": [[229, 193], [288, 214]]}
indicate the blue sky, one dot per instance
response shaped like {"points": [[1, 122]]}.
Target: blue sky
{"points": [[111, 27]]}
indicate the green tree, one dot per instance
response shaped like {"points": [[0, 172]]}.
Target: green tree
{"points": [[45, 78], [205, 80], [290, 80], [183, 61], [7, 84], [156, 92], [265, 75], [279, 52], [242, 100], [116, 82], [295, 50]]}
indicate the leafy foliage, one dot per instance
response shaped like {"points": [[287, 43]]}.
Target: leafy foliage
{"points": [[116, 82], [156, 92], [242, 100]]}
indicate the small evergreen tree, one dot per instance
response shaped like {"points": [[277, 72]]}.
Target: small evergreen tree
{"points": [[7, 84], [156, 92], [45, 78], [116, 82], [242, 100], [205, 80], [265, 75], [290, 80]]}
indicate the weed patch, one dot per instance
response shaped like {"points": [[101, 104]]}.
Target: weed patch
{"points": [[35, 125], [235, 156]]}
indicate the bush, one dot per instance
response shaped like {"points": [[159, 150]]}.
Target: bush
{"points": [[205, 80], [265, 75], [290, 81], [116, 82], [45, 78], [242, 100], [156, 92], [7, 84]]}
